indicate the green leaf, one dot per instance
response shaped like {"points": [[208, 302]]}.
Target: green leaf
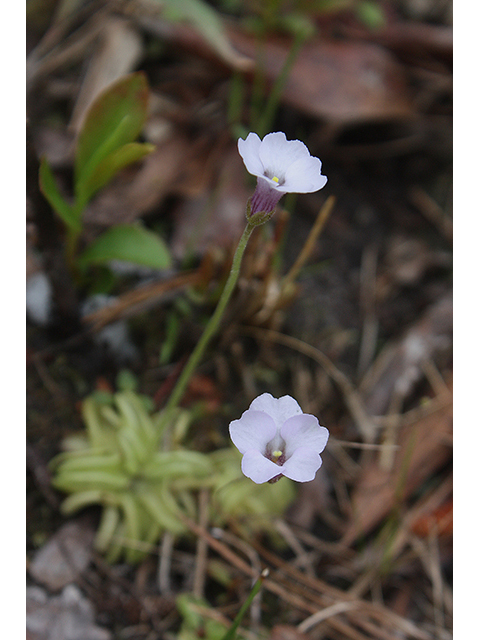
{"points": [[132, 243], [371, 14], [110, 166], [115, 119], [207, 21], [48, 187]]}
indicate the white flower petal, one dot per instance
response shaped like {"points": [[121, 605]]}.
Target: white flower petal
{"points": [[303, 431], [286, 165], [277, 154], [249, 150], [304, 176], [302, 466], [253, 430], [258, 468], [280, 409]]}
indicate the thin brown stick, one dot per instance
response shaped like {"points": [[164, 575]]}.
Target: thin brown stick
{"points": [[309, 245], [138, 299], [432, 211], [324, 614], [368, 296], [165, 563], [375, 611], [274, 587]]}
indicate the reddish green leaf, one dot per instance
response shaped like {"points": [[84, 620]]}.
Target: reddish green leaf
{"points": [[110, 166], [115, 119]]}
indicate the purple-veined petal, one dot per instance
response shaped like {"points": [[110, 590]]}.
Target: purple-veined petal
{"points": [[249, 150], [302, 466], [304, 176], [280, 409], [277, 154], [303, 431], [258, 468], [253, 430]]}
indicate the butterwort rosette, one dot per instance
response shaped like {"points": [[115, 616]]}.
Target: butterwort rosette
{"points": [[281, 166], [277, 439]]}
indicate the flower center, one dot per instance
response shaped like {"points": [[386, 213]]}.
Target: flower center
{"points": [[277, 456], [275, 179]]}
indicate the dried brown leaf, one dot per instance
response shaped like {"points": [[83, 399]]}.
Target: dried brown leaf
{"points": [[214, 219], [343, 82], [424, 447]]}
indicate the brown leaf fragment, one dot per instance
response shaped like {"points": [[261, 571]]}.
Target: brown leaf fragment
{"points": [[343, 82], [424, 447], [216, 218], [439, 521], [417, 39], [64, 557]]}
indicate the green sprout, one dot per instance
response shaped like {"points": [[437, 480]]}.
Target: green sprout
{"points": [[105, 145]]}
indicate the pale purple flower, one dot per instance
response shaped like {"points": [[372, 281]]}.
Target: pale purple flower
{"points": [[281, 166], [278, 439]]}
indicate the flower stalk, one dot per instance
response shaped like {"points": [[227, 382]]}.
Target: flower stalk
{"points": [[281, 166], [212, 326]]}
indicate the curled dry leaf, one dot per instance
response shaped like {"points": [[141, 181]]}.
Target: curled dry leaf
{"points": [[342, 82], [424, 447]]}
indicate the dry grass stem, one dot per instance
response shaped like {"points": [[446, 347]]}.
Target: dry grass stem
{"points": [[353, 401], [303, 559], [202, 547], [368, 341], [309, 245], [165, 563], [320, 616], [140, 299], [432, 211]]}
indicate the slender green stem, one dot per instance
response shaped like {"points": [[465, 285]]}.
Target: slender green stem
{"points": [[264, 122], [211, 327], [256, 588]]}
